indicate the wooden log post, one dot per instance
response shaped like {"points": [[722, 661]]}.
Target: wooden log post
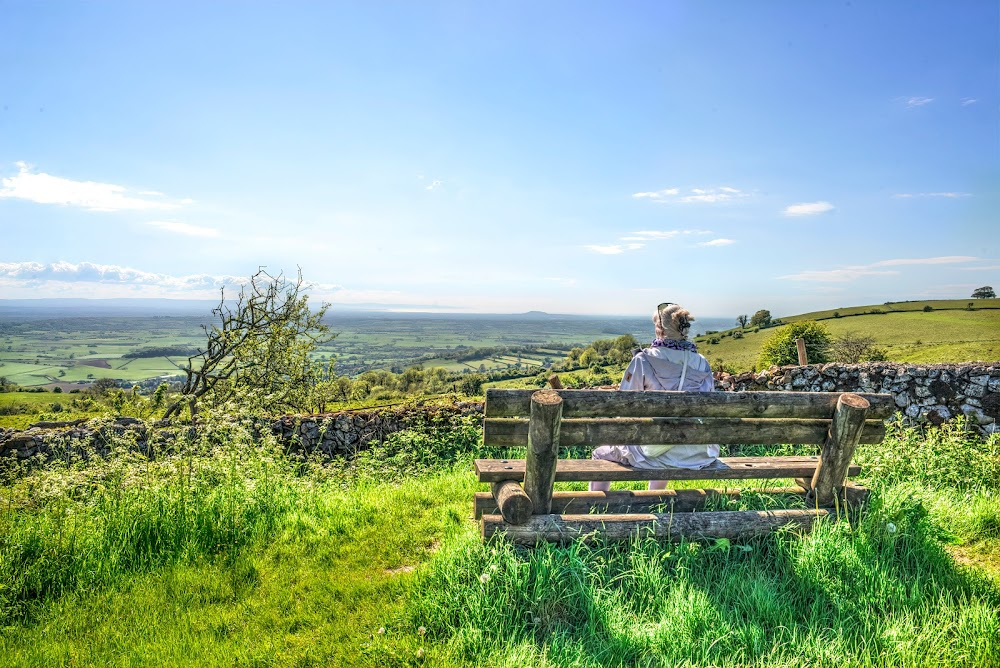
{"points": [[543, 449], [554, 382], [800, 345], [512, 501], [732, 524], [838, 450]]}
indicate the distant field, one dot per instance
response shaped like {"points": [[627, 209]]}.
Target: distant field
{"points": [[908, 334], [45, 351]]}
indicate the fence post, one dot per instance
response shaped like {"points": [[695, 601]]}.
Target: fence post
{"points": [[543, 449], [838, 450], [800, 344]]}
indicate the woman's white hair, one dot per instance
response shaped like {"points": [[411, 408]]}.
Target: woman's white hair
{"points": [[673, 322]]}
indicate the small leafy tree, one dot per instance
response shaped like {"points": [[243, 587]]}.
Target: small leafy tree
{"points": [[780, 349], [742, 321], [985, 292], [853, 348], [259, 349], [761, 318]]}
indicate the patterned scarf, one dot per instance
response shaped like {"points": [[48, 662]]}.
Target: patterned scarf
{"points": [[674, 344]]}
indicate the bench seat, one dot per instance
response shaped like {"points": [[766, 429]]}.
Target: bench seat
{"points": [[729, 468]]}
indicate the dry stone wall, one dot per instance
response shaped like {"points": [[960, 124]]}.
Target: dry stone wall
{"points": [[923, 393], [926, 393]]}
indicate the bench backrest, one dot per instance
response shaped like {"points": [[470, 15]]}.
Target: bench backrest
{"points": [[600, 417]]}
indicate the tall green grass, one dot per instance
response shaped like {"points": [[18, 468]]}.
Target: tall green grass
{"points": [[878, 590], [230, 552]]}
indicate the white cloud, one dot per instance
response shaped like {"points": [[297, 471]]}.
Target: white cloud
{"points": [[637, 240], [837, 275], [37, 273], [717, 242], [184, 228], [657, 194], [950, 195], [705, 195], [434, 185], [853, 272], [650, 235], [47, 189], [918, 101], [808, 208], [966, 101], [943, 259], [614, 249]]}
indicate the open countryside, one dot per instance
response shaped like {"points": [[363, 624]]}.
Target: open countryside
{"points": [[72, 352]]}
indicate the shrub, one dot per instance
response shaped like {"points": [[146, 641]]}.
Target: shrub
{"points": [[780, 347], [853, 348], [737, 335], [928, 308]]}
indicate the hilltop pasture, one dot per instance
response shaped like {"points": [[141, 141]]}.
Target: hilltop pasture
{"points": [[948, 332]]}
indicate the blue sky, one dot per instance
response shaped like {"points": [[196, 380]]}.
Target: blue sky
{"points": [[572, 157]]}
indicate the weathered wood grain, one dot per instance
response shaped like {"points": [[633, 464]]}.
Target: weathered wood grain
{"points": [[543, 449], [730, 468], [635, 501], [605, 403], [838, 450], [510, 500], [668, 526], [653, 431]]}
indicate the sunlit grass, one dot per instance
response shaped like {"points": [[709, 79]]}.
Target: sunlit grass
{"points": [[230, 553]]}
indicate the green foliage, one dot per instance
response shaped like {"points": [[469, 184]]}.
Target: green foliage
{"points": [[985, 292], [928, 308], [780, 348], [761, 318], [230, 553], [853, 348], [948, 456], [259, 352]]}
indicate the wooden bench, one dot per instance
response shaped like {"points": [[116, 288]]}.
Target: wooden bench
{"points": [[523, 507]]}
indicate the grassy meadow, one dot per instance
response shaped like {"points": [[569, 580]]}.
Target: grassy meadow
{"points": [[227, 552], [949, 332]]}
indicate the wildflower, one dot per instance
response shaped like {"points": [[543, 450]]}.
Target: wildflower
{"points": [[484, 578], [494, 567], [381, 630], [420, 653], [421, 631], [890, 527]]}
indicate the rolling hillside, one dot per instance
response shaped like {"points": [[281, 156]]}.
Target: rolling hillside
{"points": [[947, 331]]}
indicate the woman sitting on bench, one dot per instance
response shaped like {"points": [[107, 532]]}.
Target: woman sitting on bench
{"points": [[671, 363]]}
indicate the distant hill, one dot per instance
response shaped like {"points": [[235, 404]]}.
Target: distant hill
{"points": [[913, 331]]}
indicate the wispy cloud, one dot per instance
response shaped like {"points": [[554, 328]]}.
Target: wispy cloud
{"points": [[717, 242], [91, 195], [918, 101], [613, 249], [434, 185], [92, 272], [637, 240], [565, 282], [966, 101], [943, 259], [184, 228], [692, 195], [951, 195], [837, 275], [808, 208], [853, 272]]}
